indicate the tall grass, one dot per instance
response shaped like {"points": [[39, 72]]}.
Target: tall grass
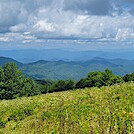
{"points": [[108, 110]]}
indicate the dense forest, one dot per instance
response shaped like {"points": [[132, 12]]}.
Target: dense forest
{"points": [[14, 84]]}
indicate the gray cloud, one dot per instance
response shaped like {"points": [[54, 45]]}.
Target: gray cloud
{"points": [[11, 13], [41, 19], [127, 5], [94, 7], [128, 1]]}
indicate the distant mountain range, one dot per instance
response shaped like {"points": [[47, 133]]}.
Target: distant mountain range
{"points": [[4, 60], [27, 56], [56, 70]]}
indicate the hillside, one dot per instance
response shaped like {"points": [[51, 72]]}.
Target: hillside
{"points": [[56, 70], [68, 70], [4, 60], [108, 109]]}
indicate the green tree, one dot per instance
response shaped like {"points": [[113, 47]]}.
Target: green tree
{"points": [[1, 75], [70, 85], [1, 82], [44, 86], [29, 88], [114, 79], [82, 83], [11, 73], [107, 75], [128, 77], [59, 86], [98, 79], [95, 79], [15, 84]]}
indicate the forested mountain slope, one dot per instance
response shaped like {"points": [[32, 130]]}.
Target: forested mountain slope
{"points": [[56, 70]]}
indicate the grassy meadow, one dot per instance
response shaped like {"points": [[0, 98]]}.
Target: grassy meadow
{"points": [[105, 110]]}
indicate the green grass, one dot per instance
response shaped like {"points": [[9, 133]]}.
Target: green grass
{"points": [[108, 110]]}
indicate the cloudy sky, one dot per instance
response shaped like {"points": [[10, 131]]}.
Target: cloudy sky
{"points": [[66, 23]]}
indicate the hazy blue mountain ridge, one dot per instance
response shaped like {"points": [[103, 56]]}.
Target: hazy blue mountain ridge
{"points": [[27, 56], [56, 70]]}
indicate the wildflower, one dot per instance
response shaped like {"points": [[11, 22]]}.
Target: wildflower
{"points": [[124, 112], [131, 115]]}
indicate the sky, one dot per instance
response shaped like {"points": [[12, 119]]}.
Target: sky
{"points": [[69, 24]]}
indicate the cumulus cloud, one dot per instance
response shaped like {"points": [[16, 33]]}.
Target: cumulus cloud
{"points": [[11, 13], [82, 19]]}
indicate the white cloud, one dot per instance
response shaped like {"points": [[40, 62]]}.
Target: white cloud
{"points": [[84, 19], [18, 28], [125, 34], [44, 26]]}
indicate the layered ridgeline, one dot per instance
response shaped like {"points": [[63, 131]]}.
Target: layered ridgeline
{"points": [[32, 55], [95, 110], [56, 70]]}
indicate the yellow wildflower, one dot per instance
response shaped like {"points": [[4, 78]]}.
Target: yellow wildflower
{"points": [[124, 112], [131, 115]]}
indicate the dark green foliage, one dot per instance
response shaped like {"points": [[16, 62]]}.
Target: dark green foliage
{"points": [[70, 85], [44, 85], [14, 84], [95, 79], [98, 79], [59, 86], [62, 85], [107, 75], [11, 73], [29, 87], [114, 79], [1, 75], [128, 77], [82, 83], [49, 86]]}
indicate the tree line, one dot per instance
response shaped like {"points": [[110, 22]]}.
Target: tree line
{"points": [[14, 84]]}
